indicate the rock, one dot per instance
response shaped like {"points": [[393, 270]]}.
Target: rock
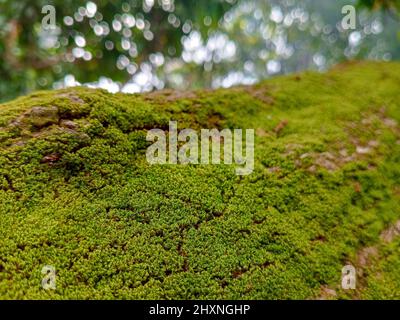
{"points": [[363, 150], [51, 158], [69, 124], [43, 116]]}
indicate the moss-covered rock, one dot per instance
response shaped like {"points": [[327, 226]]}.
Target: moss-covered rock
{"points": [[77, 193]]}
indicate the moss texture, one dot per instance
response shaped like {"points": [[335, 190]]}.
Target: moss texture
{"points": [[77, 193]]}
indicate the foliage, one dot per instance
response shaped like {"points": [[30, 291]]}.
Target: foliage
{"points": [[146, 42], [30, 54]]}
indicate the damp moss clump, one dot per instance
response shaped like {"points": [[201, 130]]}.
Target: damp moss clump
{"points": [[77, 193]]}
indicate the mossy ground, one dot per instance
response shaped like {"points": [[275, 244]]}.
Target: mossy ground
{"points": [[77, 193]]}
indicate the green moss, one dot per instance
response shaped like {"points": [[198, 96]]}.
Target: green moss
{"points": [[77, 193], [383, 277]]}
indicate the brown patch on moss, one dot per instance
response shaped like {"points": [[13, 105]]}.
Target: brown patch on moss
{"points": [[72, 97], [51, 158], [333, 160], [281, 125], [259, 93], [238, 273], [215, 120], [364, 258], [339, 156], [297, 78], [261, 132], [68, 124], [169, 95], [391, 233], [357, 187], [291, 148], [326, 293], [36, 118], [274, 169]]}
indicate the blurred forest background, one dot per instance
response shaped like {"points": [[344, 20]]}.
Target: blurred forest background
{"points": [[143, 45]]}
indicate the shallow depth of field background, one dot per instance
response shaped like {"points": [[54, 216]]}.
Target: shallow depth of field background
{"points": [[143, 45]]}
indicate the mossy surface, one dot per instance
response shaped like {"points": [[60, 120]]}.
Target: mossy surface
{"points": [[77, 193]]}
